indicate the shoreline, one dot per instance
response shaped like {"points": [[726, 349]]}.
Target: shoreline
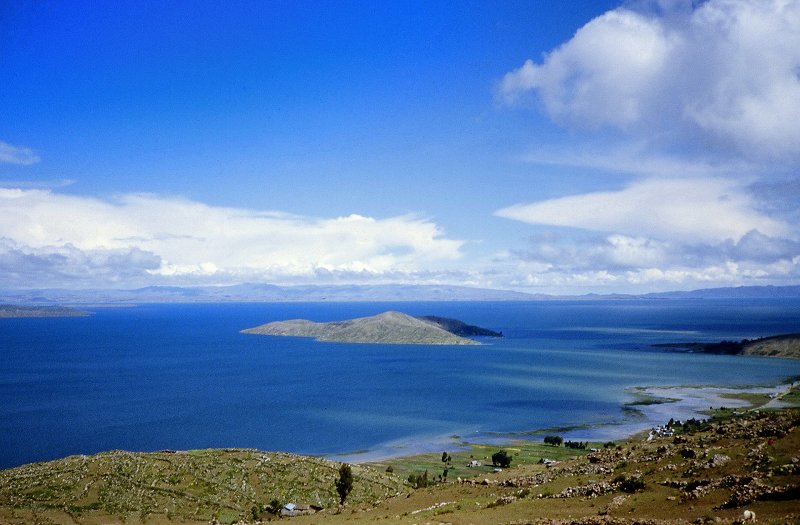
{"points": [[656, 406]]}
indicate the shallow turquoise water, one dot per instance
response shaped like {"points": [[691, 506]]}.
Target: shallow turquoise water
{"points": [[182, 376]]}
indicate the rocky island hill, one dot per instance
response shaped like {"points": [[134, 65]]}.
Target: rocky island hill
{"points": [[385, 328]]}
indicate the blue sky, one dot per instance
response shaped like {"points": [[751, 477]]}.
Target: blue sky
{"points": [[560, 147]]}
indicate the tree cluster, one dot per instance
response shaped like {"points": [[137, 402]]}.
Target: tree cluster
{"points": [[577, 444], [556, 441], [690, 425], [420, 481]]}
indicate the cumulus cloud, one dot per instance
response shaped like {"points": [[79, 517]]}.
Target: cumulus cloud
{"points": [[722, 76], [697, 104], [180, 239], [10, 154]]}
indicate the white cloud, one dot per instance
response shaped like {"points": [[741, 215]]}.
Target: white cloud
{"points": [[722, 77], [10, 154], [684, 210], [668, 275], [635, 159], [49, 266], [189, 239], [697, 103], [655, 234]]}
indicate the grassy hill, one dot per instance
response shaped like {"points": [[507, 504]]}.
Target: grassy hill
{"points": [[778, 346], [706, 472], [187, 487]]}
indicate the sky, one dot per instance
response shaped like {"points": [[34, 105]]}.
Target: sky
{"points": [[546, 147]]}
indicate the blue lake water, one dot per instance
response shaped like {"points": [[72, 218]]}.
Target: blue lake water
{"points": [[182, 376]]}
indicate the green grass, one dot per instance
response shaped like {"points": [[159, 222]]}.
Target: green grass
{"points": [[186, 486], [755, 400], [792, 397], [522, 452]]}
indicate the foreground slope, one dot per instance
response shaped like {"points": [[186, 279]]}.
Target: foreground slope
{"points": [[196, 487], [385, 328], [705, 473]]}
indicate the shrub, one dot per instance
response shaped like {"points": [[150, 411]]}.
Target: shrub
{"points": [[501, 458], [629, 484]]}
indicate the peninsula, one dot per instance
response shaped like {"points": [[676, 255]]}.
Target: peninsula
{"points": [[785, 346], [15, 311], [385, 328]]}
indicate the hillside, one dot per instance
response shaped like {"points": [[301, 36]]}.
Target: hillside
{"points": [[195, 487], [707, 472], [454, 326], [385, 328], [778, 346]]}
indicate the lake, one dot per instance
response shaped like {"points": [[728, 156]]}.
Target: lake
{"points": [[173, 376]]}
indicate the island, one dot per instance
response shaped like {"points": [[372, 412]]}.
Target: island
{"points": [[785, 346], [386, 328]]}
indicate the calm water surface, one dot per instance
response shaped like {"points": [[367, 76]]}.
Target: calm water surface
{"points": [[182, 376]]}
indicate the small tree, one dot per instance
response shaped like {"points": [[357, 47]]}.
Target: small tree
{"points": [[419, 481], [345, 482], [502, 458]]}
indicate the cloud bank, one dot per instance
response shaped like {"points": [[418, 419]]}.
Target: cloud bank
{"points": [[54, 239], [693, 210]]}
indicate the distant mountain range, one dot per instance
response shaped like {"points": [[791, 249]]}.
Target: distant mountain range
{"points": [[741, 292], [256, 292]]}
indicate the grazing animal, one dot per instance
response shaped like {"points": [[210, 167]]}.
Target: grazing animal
{"points": [[749, 515]]}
